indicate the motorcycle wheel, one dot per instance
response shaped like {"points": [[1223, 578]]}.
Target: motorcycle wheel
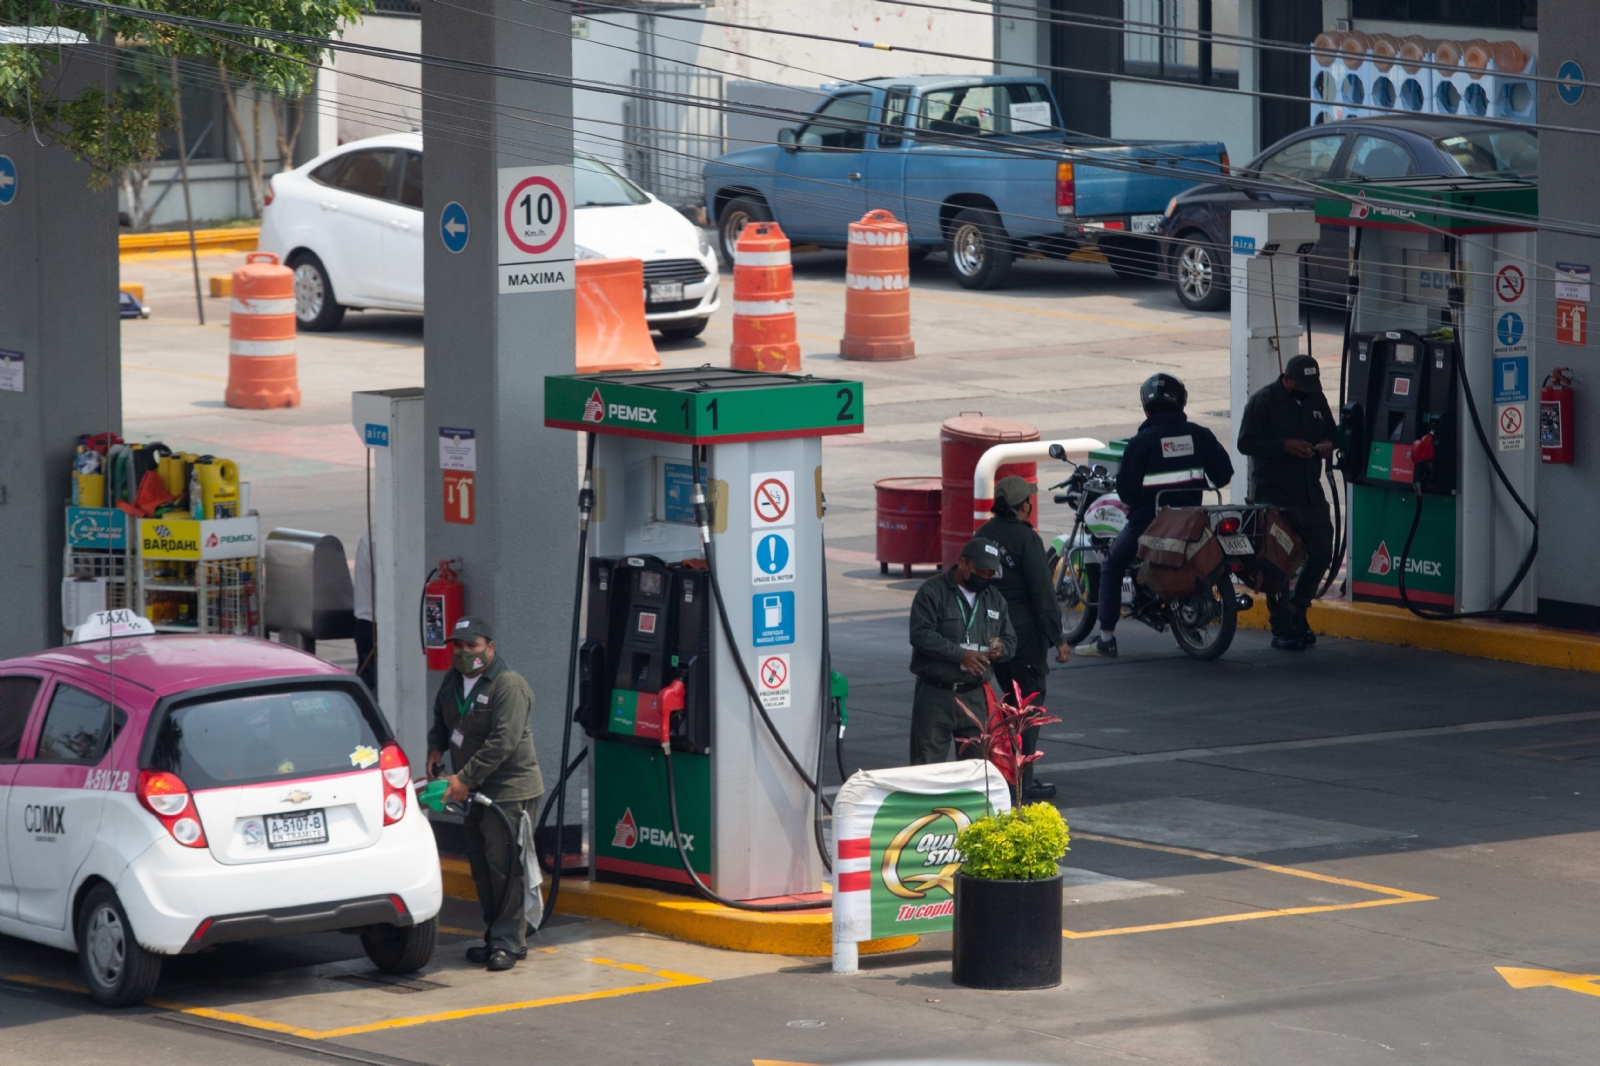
{"points": [[1204, 625], [1070, 579]]}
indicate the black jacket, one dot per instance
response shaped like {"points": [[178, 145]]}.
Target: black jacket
{"points": [[1271, 417], [1168, 452], [1024, 581]]}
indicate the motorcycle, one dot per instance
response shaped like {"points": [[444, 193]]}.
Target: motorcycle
{"points": [[1202, 625]]}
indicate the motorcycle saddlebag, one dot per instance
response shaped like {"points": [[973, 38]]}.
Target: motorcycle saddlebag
{"points": [[1279, 551], [1181, 556]]}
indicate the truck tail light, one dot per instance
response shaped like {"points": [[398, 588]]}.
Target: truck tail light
{"points": [[167, 797], [396, 780], [1224, 164], [1066, 190]]}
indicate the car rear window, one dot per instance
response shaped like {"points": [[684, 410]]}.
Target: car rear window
{"points": [[1488, 152], [246, 738], [597, 185]]}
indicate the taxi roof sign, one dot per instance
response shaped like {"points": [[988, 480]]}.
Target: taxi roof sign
{"points": [[103, 625]]}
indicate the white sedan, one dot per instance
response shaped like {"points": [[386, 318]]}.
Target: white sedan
{"points": [[349, 224]]}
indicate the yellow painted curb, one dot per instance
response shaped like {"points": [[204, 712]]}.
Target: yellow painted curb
{"points": [[206, 242], [687, 918], [1506, 641]]}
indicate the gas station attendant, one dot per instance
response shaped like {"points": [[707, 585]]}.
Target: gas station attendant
{"points": [[481, 717]]}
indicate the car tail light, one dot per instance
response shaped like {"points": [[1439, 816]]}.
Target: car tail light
{"points": [[167, 797], [266, 195], [396, 781], [1066, 190]]}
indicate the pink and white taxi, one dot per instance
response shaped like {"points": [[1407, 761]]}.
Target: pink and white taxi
{"points": [[163, 794]]}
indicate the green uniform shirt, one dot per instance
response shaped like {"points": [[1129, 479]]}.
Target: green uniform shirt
{"points": [[488, 734], [941, 622]]}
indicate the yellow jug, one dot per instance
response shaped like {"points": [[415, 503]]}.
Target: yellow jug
{"points": [[89, 490], [217, 481], [174, 470]]}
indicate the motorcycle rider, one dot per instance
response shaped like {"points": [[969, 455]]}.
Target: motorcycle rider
{"points": [[1168, 452]]}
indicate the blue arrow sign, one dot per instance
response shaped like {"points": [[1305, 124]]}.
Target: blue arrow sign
{"points": [[1509, 329], [454, 227], [1569, 82], [772, 554], [8, 179]]}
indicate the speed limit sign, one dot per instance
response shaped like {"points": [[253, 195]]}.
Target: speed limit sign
{"points": [[536, 224]]}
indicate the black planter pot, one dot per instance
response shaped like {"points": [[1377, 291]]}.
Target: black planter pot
{"points": [[1007, 933]]}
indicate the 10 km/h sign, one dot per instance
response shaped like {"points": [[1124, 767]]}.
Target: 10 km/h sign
{"points": [[536, 223]]}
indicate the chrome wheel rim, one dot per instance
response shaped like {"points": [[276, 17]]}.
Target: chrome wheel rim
{"points": [[733, 224], [1200, 619], [1195, 272], [107, 945], [309, 293], [967, 249], [1070, 585]]}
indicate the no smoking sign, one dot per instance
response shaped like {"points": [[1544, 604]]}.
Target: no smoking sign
{"points": [[772, 499], [1510, 283], [535, 223]]}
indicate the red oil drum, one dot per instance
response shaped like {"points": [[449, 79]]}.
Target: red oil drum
{"points": [[908, 522], [962, 442]]}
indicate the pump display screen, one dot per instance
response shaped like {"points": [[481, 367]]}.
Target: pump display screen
{"points": [[649, 583], [1405, 353]]}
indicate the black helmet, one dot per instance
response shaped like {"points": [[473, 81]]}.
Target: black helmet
{"points": [[1162, 392]]}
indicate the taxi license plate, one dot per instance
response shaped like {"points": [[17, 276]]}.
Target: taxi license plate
{"points": [[1146, 223], [1237, 545], [297, 829], [665, 291]]}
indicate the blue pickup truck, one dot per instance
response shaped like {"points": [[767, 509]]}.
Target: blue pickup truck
{"points": [[979, 166]]}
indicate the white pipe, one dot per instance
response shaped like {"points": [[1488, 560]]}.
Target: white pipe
{"points": [[1002, 454], [846, 957]]}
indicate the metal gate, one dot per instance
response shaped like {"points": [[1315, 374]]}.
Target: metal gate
{"points": [[673, 127]]}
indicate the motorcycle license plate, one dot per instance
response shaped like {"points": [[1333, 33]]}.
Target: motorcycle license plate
{"points": [[665, 291], [297, 829], [1237, 545]]}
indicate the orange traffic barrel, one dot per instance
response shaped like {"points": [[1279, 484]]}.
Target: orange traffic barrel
{"points": [[877, 295], [962, 442], [262, 371], [908, 522], [763, 301], [612, 332]]}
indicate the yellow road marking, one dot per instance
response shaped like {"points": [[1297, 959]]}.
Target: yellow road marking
{"points": [[45, 982], [456, 930], [1391, 896], [179, 373], [1583, 983]]}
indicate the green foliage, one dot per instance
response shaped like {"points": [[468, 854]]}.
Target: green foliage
{"points": [[118, 124], [1022, 844]]}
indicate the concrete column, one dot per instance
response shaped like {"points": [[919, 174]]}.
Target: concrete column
{"points": [[1569, 193], [58, 284], [487, 354]]}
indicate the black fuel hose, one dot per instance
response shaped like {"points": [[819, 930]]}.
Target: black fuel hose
{"points": [[824, 700], [585, 509], [518, 866]]}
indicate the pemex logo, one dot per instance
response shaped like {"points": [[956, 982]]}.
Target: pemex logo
{"points": [[627, 833], [595, 411], [1381, 561]]}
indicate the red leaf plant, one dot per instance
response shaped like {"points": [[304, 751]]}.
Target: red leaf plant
{"points": [[999, 739]]}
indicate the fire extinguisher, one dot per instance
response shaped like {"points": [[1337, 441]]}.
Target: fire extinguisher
{"points": [[441, 606], [1555, 417]]}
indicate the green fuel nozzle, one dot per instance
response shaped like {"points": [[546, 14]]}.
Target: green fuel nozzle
{"points": [[431, 795], [839, 689]]}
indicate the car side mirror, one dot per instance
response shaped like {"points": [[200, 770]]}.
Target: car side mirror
{"points": [[789, 138]]}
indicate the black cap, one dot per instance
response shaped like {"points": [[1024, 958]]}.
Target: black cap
{"points": [[1014, 490], [984, 553], [471, 627], [1305, 373]]}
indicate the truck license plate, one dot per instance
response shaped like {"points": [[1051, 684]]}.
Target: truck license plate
{"points": [[1237, 545], [1146, 223], [665, 291], [297, 829]]}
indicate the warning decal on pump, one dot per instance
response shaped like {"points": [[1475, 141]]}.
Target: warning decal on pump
{"points": [[772, 681]]}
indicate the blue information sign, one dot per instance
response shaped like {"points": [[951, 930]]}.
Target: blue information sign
{"points": [[1511, 379], [1569, 82], [772, 618], [1509, 329], [8, 179], [377, 435], [454, 227]]}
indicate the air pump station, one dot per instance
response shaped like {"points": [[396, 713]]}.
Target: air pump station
{"points": [[653, 617]]}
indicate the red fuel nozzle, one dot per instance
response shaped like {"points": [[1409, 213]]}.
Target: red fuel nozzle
{"points": [[1422, 451], [672, 698]]}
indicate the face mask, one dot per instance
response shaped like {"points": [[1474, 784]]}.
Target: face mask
{"points": [[977, 582], [468, 663]]}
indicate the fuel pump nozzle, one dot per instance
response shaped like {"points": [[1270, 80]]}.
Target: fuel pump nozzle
{"points": [[672, 700]]}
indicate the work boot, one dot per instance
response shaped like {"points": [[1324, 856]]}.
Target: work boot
{"points": [[1104, 645], [478, 954], [500, 960], [1308, 636], [1039, 790], [1289, 643]]}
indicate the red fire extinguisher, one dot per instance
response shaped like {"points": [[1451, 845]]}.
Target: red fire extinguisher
{"points": [[1555, 417], [441, 606]]}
